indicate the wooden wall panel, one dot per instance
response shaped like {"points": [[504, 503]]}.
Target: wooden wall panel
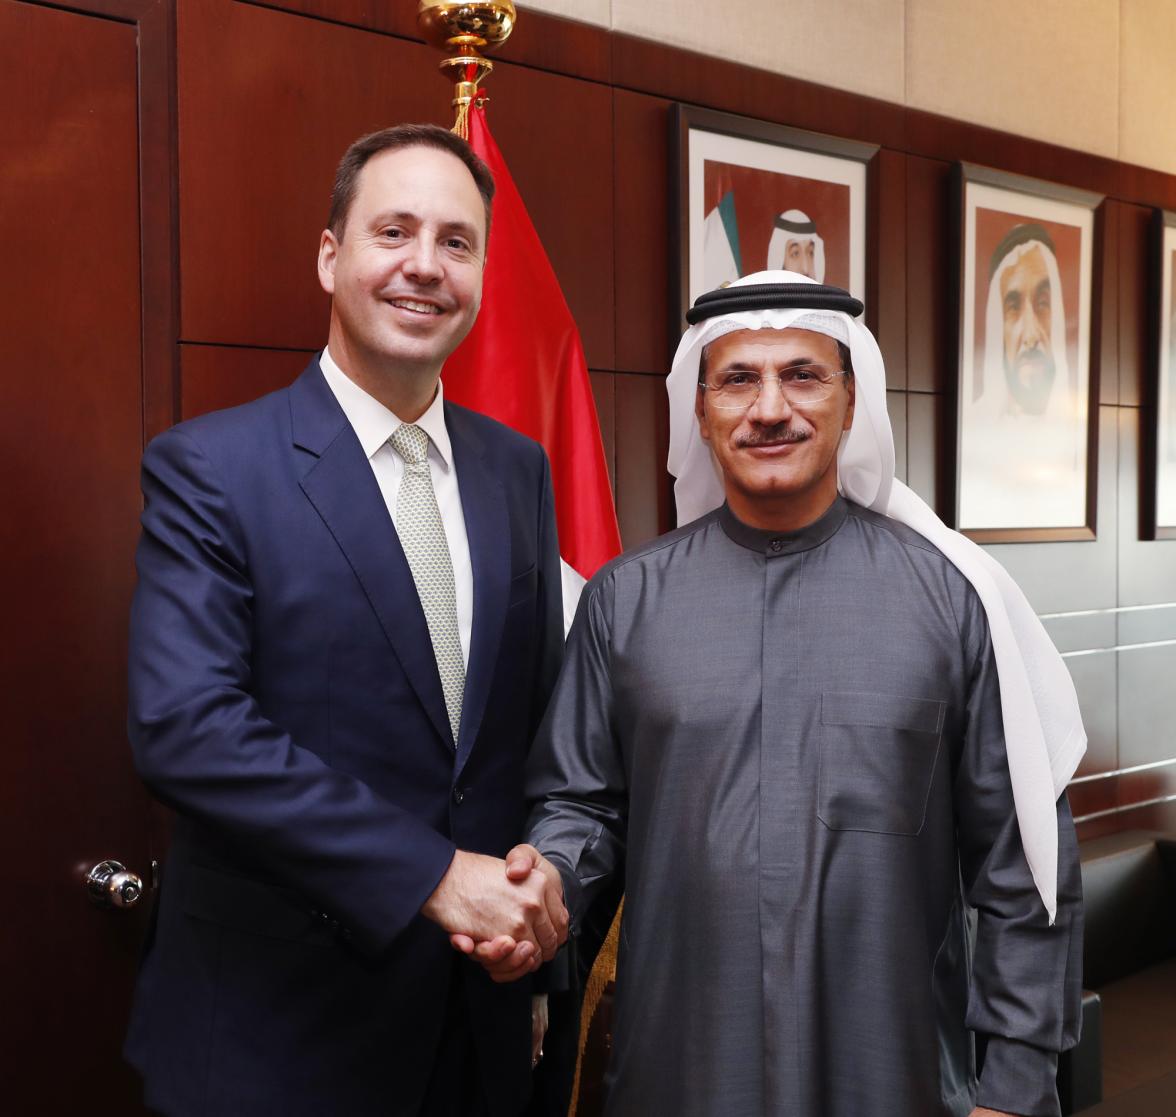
{"points": [[896, 408], [647, 324], [605, 395], [1134, 230], [216, 376], [887, 312], [268, 102], [931, 337], [540, 40], [644, 504], [1106, 296]]}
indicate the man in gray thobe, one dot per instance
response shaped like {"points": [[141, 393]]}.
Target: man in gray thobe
{"points": [[783, 723]]}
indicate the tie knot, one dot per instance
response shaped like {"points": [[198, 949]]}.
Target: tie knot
{"points": [[411, 443]]}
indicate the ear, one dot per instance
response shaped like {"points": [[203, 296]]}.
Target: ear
{"points": [[328, 254], [700, 413], [851, 387]]}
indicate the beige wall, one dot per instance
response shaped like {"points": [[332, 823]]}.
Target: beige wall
{"points": [[1095, 75]]}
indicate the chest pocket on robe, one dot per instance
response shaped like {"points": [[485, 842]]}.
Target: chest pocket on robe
{"points": [[878, 754]]}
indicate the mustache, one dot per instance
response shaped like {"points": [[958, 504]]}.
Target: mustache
{"points": [[1035, 354], [771, 436]]}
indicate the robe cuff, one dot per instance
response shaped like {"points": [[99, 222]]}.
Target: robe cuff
{"points": [[554, 976], [1019, 1078]]}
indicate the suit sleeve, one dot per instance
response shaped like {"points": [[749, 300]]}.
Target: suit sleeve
{"points": [[554, 976], [549, 645], [1025, 995], [202, 744]]}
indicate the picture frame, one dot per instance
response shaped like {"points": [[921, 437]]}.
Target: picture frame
{"points": [[1158, 476], [1026, 417], [750, 195]]}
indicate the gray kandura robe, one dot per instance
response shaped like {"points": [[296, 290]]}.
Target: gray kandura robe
{"points": [[792, 745]]}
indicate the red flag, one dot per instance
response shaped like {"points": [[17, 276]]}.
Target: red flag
{"points": [[523, 365]]}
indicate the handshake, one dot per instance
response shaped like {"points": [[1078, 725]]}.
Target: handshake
{"points": [[509, 916]]}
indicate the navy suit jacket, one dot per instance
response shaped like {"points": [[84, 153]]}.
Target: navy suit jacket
{"points": [[285, 701]]}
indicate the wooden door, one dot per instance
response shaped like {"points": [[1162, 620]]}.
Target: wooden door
{"points": [[78, 257]]}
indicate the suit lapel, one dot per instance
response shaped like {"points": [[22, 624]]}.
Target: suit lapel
{"points": [[488, 529], [341, 486]]}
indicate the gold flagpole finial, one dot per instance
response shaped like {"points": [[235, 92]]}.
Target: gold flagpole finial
{"points": [[467, 29]]}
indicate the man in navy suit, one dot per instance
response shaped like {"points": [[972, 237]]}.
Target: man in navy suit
{"points": [[346, 628]]}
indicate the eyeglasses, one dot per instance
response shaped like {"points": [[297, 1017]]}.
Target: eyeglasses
{"points": [[801, 384]]}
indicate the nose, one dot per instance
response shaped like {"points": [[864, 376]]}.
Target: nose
{"points": [[1032, 333], [423, 262], [771, 405]]}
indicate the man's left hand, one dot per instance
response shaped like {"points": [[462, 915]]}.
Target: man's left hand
{"points": [[980, 1111]]}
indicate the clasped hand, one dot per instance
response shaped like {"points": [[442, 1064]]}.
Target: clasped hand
{"points": [[509, 916]]}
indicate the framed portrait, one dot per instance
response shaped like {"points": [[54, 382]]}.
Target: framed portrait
{"points": [[1026, 429], [752, 196], [1159, 436]]}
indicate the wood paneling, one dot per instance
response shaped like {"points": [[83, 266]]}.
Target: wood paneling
{"points": [[931, 335], [216, 376], [268, 102], [542, 41], [896, 408], [604, 393], [1106, 294], [644, 506], [71, 430], [647, 322], [887, 250], [1134, 254]]}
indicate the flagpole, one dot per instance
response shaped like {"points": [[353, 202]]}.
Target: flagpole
{"points": [[468, 29]]}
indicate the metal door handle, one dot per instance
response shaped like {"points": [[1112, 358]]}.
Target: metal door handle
{"points": [[112, 885]]}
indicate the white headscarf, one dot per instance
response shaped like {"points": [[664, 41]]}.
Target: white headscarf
{"points": [[1044, 737], [802, 230]]}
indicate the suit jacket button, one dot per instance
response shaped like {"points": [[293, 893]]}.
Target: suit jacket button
{"points": [[458, 795]]}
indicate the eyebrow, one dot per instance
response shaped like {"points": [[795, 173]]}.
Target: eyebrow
{"points": [[404, 215], [744, 366]]}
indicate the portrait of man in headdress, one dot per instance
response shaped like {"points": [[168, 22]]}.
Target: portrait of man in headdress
{"points": [[1024, 382], [751, 204], [797, 246]]}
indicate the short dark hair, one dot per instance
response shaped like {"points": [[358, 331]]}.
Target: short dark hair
{"points": [[842, 354], [356, 157]]}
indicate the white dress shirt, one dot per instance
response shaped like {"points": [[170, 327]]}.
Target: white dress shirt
{"points": [[374, 424]]}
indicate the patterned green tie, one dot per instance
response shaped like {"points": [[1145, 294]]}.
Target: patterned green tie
{"points": [[422, 535]]}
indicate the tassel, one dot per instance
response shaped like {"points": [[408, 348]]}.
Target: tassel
{"points": [[604, 970]]}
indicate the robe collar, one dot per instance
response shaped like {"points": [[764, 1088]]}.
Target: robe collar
{"points": [[773, 544]]}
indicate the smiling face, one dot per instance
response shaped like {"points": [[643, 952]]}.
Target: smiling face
{"points": [[779, 461], [405, 275]]}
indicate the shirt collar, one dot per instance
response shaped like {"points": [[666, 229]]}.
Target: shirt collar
{"points": [[373, 423], [773, 543]]}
